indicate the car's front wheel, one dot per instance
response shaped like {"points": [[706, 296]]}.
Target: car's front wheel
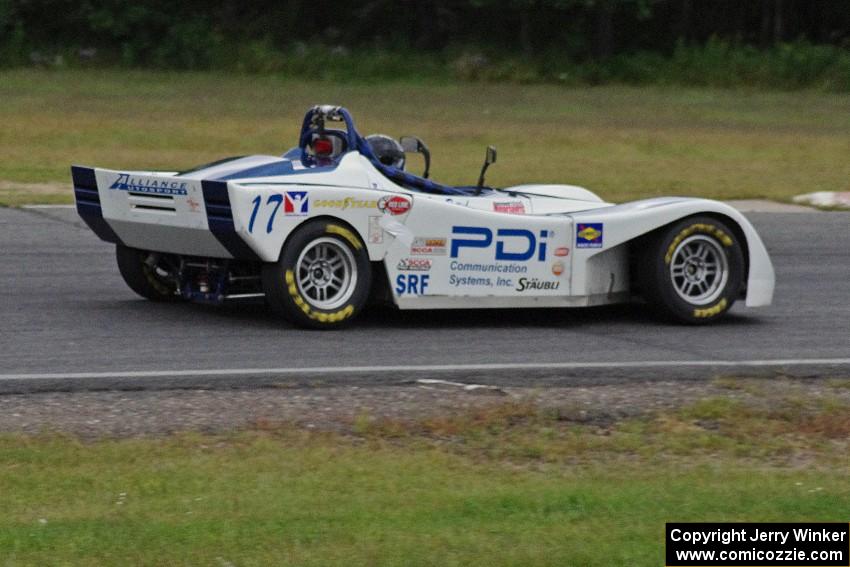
{"points": [[693, 270], [322, 278]]}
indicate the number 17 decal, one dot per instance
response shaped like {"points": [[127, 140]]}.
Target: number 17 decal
{"points": [[275, 200]]}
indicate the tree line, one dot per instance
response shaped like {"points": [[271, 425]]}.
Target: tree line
{"points": [[193, 33]]}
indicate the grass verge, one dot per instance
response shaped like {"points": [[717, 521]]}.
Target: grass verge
{"points": [[623, 142], [508, 484]]}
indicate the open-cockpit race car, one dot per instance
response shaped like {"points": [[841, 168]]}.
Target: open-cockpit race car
{"points": [[337, 222]]}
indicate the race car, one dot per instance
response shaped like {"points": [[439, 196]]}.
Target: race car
{"points": [[337, 223]]}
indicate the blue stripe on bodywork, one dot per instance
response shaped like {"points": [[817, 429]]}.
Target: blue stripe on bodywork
{"points": [[209, 165], [88, 203], [282, 167], [220, 220]]}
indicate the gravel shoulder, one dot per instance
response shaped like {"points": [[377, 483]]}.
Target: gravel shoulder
{"points": [[92, 415]]}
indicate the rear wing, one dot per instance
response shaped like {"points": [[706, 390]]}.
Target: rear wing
{"points": [[159, 211], [87, 199]]}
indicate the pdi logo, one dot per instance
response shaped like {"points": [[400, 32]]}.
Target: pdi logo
{"points": [[512, 244]]}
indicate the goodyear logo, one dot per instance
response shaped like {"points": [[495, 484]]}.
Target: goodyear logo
{"points": [[136, 184], [589, 235], [347, 203]]}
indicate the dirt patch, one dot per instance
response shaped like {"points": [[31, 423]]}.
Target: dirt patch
{"points": [[15, 194], [34, 188]]}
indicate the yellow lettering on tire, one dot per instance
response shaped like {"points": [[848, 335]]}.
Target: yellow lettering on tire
{"points": [[715, 309], [709, 229], [320, 316], [346, 234]]}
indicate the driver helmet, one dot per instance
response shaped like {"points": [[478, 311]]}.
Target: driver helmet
{"points": [[387, 150]]}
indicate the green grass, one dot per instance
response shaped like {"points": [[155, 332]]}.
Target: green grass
{"points": [[506, 485], [623, 142]]}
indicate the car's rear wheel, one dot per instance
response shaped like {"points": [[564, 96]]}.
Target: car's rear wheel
{"points": [[322, 278], [693, 270], [149, 274]]}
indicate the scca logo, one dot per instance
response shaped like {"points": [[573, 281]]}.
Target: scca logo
{"points": [[512, 244]]}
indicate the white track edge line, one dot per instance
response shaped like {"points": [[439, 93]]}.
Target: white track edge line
{"points": [[431, 368]]}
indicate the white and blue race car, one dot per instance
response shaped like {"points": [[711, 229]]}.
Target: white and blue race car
{"points": [[337, 222]]}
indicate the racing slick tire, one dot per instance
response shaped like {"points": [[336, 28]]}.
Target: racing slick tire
{"points": [[146, 274], [322, 277], [692, 271]]}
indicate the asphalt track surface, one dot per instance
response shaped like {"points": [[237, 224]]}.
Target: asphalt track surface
{"points": [[67, 321]]}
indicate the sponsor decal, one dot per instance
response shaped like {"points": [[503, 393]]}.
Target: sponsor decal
{"points": [[428, 246], [558, 268], [194, 206], [525, 284], [510, 207], [456, 266], [347, 203], [512, 244], [589, 235], [414, 265], [474, 274], [562, 251], [376, 233], [395, 205], [475, 281], [156, 186], [411, 284], [296, 203]]}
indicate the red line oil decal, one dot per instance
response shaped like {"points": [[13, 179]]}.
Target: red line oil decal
{"points": [[394, 205]]}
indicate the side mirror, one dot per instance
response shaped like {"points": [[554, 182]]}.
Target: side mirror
{"points": [[488, 159], [413, 145], [410, 144]]}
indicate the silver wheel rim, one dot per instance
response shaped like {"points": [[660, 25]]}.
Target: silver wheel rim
{"points": [[326, 273], [699, 269]]}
